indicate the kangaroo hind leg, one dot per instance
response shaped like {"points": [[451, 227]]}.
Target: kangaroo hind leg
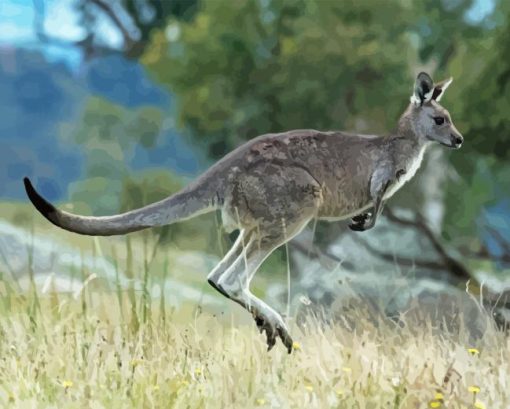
{"points": [[235, 282], [273, 204], [227, 261]]}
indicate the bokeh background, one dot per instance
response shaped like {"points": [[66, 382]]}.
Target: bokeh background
{"points": [[110, 105]]}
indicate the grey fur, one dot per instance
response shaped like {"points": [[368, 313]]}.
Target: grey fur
{"points": [[271, 187]]}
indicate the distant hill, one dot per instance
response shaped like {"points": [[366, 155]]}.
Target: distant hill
{"points": [[37, 95]]}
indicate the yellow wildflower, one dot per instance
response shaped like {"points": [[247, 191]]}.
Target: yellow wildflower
{"points": [[135, 362], [296, 346], [156, 387], [435, 404], [439, 396], [260, 401], [184, 382], [67, 384], [473, 351], [473, 389], [198, 371], [340, 392], [309, 388], [479, 405]]}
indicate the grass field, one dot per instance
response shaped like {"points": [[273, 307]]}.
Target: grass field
{"points": [[104, 350], [112, 346]]}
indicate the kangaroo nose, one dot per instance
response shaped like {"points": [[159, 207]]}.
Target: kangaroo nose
{"points": [[458, 139]]}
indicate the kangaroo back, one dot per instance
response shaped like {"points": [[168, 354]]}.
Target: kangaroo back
{"points": [[189, 202]]}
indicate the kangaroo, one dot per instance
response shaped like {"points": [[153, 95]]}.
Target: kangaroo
{"points": [[272, 186]]}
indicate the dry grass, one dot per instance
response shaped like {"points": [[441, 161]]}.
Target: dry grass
{"points": [[125, 349], [98, 351]]}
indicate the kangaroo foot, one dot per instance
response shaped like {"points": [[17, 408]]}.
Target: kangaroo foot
{"points": [[274, 327], [361, 222]]}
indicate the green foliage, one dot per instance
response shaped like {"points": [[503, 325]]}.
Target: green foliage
{"points": [[95, 195], [442, 29], [147, 187], [135, 19], [245, 68], [487, 96], [108, 134], [481, 107], [115, 129]]}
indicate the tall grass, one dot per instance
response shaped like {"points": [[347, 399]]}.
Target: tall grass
{"points": [[115, 347], [94, 349]]}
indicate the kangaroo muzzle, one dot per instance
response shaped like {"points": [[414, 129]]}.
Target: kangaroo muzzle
{"points": [[457, 140]]}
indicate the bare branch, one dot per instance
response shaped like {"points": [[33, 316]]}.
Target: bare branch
{"points": [[131, 48], [496, 235], [314, 252], [129, 42], [399, 259], [87, 44], [483, 254], [455, 267]]}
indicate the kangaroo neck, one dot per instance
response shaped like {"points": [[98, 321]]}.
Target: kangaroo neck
{"points": [[406, 135], [405, 147]]}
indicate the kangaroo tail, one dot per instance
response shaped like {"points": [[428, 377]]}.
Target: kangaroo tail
{"points": [[180, 206]]}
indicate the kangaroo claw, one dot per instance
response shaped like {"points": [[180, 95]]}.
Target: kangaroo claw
{"points": [[360, 218], [361, 222], [356, 227], [273, 330], [286, 339]]}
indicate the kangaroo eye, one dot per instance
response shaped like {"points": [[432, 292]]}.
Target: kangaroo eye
{"points": [[439, 120]]}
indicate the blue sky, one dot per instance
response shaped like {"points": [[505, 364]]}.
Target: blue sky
{"points": [[17, 17]]}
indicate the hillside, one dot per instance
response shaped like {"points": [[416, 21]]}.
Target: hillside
{"points": [[38, 97]]}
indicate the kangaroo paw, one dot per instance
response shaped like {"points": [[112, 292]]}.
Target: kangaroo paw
{"points": [[361, 218], [357, 226], [361, 222], [274, 327]]}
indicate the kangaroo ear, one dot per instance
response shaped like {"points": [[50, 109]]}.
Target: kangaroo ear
{"points": [[423, 89], [440, 88]]}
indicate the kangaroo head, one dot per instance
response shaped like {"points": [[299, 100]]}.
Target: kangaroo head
{"points": [[430, 121]]}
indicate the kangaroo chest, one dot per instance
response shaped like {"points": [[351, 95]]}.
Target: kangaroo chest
{"points": [[405, 169]]}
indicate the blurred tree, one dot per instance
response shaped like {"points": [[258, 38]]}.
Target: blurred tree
{"points": [[108, 134], [134, 19], [245, 68], [485, 95], [253, 67], [481, 106], [442, 28]]}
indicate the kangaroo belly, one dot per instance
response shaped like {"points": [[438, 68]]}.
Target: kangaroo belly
{"points": [[343, 203]]}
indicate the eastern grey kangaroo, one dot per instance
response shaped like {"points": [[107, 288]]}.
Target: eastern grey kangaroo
{"points": [[271, 187]]}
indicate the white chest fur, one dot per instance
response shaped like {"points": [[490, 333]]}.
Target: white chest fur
{"points": [[410, 167]]}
